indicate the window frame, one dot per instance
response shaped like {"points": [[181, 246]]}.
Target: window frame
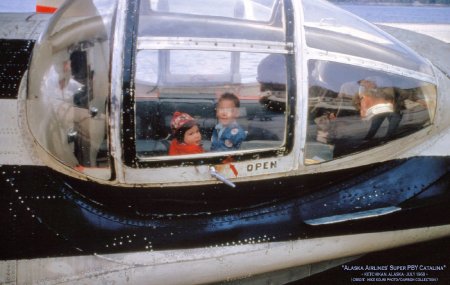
{"points": [[390, 72], [133, 44]]}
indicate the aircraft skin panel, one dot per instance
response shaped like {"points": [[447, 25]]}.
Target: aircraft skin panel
{"points": [[167, 267], [14, 61], [148, 219], [22, 25], [14, 150], [435, 146]]}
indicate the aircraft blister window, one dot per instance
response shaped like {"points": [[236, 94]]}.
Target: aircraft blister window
{"points": [[191, 82], [352, 109], [69, 87]]}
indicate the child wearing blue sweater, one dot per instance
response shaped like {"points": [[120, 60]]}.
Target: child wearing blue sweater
{"points": [[227, 134]]}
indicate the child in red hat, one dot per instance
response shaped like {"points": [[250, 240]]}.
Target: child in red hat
{"points": [[186, 135]]}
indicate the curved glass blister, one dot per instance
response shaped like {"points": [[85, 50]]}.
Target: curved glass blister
{"points": [[351, 109], [69, 86], [332, 29]]}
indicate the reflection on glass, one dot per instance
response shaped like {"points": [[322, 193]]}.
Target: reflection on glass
{"points": [[69, 86], [333, 29], [227, 95], [214, 19], [256, 10], [352, 109], [193, 62]]}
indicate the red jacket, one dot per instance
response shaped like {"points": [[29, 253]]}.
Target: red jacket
{"points": [[177, 148]]}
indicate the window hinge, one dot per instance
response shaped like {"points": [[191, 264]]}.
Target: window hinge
{"points": [[215, 174]]}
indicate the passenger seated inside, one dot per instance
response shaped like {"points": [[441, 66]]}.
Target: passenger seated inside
{"points": [[376, 101], [353, 109], [186, 137], [227, 134], [376, 97]]}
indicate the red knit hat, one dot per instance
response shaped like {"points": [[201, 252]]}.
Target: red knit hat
{"points": [[179, 119]]}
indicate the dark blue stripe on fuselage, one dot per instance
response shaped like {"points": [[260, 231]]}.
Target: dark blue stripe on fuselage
{"points": [[14, 61], [46, 214]]}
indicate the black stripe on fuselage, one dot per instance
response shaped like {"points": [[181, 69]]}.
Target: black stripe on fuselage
{"points": [[14, 61], [43, 213]]}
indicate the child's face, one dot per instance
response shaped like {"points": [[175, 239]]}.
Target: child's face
{"points": [[193, 136], [226, 112]]}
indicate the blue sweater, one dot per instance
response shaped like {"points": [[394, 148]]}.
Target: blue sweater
{"points": [[225, 138]]}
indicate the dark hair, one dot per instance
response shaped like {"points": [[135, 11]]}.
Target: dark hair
{"points": [[231, 97], [179, 133]]}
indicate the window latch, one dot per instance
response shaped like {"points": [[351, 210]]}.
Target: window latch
{"points": [[215, 174]]}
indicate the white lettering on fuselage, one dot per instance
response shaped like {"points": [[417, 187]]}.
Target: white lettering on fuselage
{"points": [[261, 166]]}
